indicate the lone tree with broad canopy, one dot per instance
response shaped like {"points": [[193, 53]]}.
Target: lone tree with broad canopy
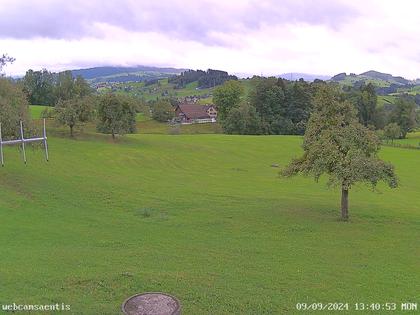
{"points": [[74, 111], [336, 144], [116, 115]]}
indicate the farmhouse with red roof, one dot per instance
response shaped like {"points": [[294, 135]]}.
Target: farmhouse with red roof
{"points": [[193, 113]]}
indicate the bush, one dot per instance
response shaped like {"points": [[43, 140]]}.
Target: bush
{"points": [[242, 120], [13, 109], [162, 111]]}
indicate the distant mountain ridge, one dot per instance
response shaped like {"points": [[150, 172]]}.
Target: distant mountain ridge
{"points": [[380, 77], [385, 76], [305, 76], [146, 73], [123, 74], [149, 73]]}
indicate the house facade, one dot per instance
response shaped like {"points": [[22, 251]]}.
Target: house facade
{"points": [[196, 114]]}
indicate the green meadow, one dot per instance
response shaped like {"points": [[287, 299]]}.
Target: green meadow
{"points": [[412, 141], [163, 89], [203, 217], [36, 111]]}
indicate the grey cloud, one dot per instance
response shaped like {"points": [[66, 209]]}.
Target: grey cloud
{"points": [[187, 20]]}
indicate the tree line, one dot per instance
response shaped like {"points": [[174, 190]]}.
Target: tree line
{"points": [[273, 106], [401, 117], [277, 106], [71, 99], [114, 114], [206, 79], [47, 88]]}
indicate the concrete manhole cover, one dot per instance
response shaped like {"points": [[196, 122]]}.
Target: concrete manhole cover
{"points": [[153, 303]]}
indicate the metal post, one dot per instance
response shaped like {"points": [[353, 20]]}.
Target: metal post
{"points": [[45, 142], [23, 141], [1, 148]]}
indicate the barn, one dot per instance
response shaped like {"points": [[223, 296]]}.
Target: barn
{"points": [[193, 113]]}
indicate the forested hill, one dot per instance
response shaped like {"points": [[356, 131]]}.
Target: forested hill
{"points": [[379, 78], [385, 77], [179, 77], [292, 76], [205, 79], [384, 83], [124, 74]]}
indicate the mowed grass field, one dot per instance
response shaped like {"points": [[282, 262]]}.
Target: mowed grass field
{"points": [[205, 218], [412, 139], [36, 110]]}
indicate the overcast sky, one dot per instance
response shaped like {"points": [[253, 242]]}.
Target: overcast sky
{"points": [[244, 36]]}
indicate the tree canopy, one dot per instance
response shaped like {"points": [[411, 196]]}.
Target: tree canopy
{"points": [[226, 97], [392, 131], [13, 108], [206, 79], [116, 115], [162, 110], [366, 105], [74, 111], [47, 88], [338, 145], [404, 114], [242, 120], [39, 87], [283, 106]]}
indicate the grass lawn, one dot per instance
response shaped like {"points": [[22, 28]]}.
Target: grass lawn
{"points": [[142, 117], [36, 110], [412, 139], [154, 127], [202, 217]]}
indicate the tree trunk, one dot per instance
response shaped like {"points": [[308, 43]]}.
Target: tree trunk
{"points": [[113, 135], [71, 131], [344, 204]]}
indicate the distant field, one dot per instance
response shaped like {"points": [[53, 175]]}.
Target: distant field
{"points": [[386, 100], [351, 80], [413, 91], [163, 89], [205, 218], [145, 125]]}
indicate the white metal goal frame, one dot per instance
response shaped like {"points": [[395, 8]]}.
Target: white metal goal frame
{"points": [[22, 142]]}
